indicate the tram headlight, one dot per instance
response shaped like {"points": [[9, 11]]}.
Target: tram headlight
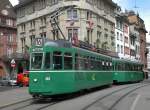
{"points": [[35, 80]]}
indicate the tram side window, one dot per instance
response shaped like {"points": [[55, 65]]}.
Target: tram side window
{"points": [[47, 61], [99, 65], [57, 60], [141, 68], [103, 65], [109, 65], [67, 61], [76, 62], [92, 63], [36, 60], [87, 62], [79, 62], [96, 64]]}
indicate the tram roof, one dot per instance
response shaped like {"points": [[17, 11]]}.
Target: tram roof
{"points": [[126, 60], [91, 52]]}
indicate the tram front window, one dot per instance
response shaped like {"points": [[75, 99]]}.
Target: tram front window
{"points": [[36, 60]]}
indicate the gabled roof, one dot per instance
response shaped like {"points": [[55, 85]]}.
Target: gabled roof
{"points": [[6, 9]]}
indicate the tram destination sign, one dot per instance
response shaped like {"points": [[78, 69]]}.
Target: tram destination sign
{"points": [[39, 42]]}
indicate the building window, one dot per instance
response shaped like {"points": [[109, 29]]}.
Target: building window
{"points": [[105, 23], [118, 48], [43, 21], [121, 38], [127, 51], [42, 4], [23, 28], [43, 34], [117, 24], [30, 8], [126, 29], [90, 2], [106, 36], [121, 49], [32, 37], [3, 21], [126, 39], [52, 2], [72, 14], [89, 15], [73, 35], [132, 41], [70, 34], [32, 24], [21, 12], [121, 26], [9, 51], [89, 36], [117, 35], [10, 38], [98, 34], [55, 34], [9, 22], [23, 42]]}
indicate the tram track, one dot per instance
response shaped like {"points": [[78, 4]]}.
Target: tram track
{"points": [[30, 104], [125, 95], [34, 106], [113, 105], [41, 104], [16, 103]]}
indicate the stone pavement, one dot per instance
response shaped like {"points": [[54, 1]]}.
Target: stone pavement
{"points": [[14, 96]]}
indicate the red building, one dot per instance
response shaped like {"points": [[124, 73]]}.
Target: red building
{"points": [[8, 40]]}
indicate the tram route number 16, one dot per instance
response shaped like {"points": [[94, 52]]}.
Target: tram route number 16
{"points": [[39, 42]]}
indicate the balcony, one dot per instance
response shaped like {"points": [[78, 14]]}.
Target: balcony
{"points": [[91, 47], [16, 56], [134, 35], [7, 26]]}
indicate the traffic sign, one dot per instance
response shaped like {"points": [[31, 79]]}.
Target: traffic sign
{"points": [[13, 63]]}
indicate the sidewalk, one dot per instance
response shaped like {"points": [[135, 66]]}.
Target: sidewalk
{"points": [[14, 96]]}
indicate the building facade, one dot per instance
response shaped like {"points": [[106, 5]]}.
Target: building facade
{"points": [[134, 43], [141, 49], [126, 39], [119, 32], [8, 38], [91, 21], [148, 57]]}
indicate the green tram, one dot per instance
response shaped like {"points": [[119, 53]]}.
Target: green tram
{"points": [[56, 67], [127, 71]]}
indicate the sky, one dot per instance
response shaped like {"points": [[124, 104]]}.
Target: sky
{"points": [[143, 8], [14, 2]]}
